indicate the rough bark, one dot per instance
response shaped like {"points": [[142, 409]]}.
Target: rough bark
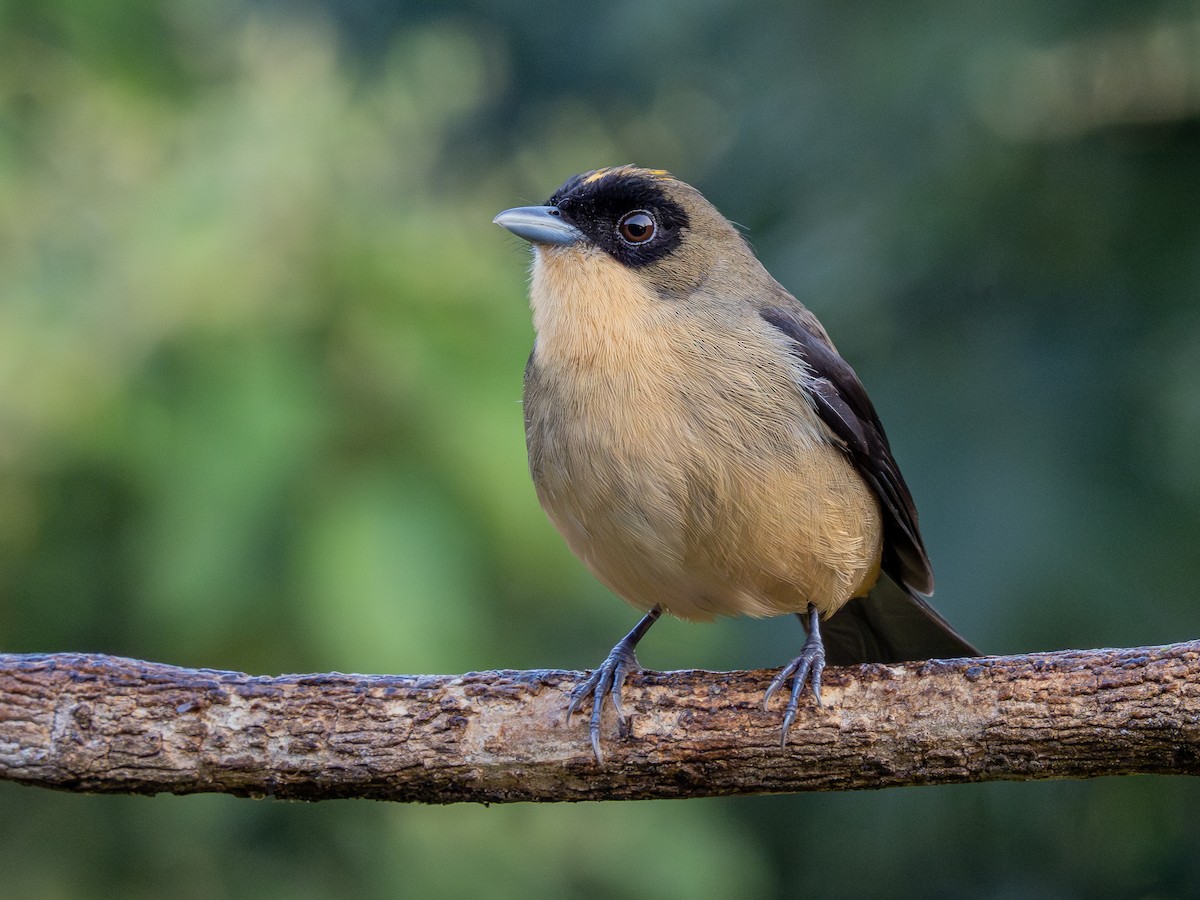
{"points": [[105, 724]]}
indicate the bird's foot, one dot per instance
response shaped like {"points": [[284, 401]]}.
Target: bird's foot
{"points": [[804, 669], [607, 681]]}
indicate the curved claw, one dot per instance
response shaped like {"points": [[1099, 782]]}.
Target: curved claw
{"points": [[804, 669], [607, 681]]}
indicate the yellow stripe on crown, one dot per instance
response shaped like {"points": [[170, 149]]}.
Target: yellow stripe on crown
{"points": [[626, 170]]}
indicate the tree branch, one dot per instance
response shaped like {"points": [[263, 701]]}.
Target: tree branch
{"points": [[105, 724]]}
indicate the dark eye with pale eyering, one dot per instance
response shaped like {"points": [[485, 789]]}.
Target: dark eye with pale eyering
{"points": [[636, 227]]}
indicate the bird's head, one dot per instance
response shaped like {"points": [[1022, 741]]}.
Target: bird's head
{"points": [[658, 230]]}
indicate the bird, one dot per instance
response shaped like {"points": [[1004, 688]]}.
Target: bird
{"points": [[700, 444]]}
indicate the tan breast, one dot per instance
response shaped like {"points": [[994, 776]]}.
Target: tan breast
{"points": [[677, 456]]}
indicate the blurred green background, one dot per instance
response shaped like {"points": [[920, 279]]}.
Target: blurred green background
{"points": [[260, 367]]}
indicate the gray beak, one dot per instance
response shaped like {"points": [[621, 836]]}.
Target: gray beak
{"points": [[539, 225]]}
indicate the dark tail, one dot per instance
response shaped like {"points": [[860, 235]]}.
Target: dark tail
{"points": [[890, 625]]}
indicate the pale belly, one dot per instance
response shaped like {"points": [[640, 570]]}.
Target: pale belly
{"points": [[700, 506]]}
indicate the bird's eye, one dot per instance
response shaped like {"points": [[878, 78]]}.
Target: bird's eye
{"points": [[636, 227]]}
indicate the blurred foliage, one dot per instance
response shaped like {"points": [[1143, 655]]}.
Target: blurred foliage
{"points": [[260, 361]]}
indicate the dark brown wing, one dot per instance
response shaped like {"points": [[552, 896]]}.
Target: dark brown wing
{"points": [[843, 405], [888, 626]]}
